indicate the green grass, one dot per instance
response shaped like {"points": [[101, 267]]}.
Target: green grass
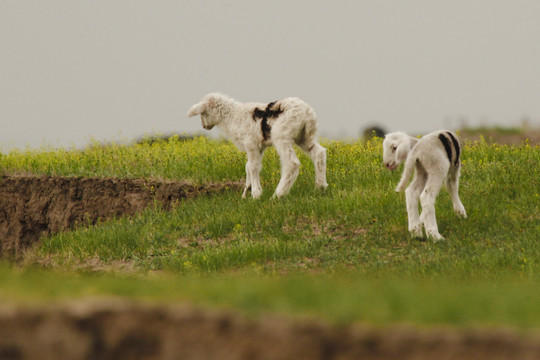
{"points": [[172, 159], [337, 297], [344, 254]]}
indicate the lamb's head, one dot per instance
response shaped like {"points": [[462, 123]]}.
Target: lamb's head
{"points": [[396, 147], [210, 108]]}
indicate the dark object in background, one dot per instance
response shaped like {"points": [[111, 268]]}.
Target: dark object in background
{"points": [[150, 139], [373, 131]]}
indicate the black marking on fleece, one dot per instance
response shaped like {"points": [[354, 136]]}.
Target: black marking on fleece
{"points": [[269, 112], [447, 146], [456, 147]]}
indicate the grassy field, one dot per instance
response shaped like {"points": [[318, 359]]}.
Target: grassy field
{"points": [[342, 254]]}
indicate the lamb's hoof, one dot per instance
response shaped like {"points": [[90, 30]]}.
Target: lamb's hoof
{"points": [[278, 194], [416, 232], [461, 213], [435, 236], [322, 187]]}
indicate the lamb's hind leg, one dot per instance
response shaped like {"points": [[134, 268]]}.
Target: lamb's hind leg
{"points": [[427, 200], [317, 153], [290, 167], [248, 181], [452, 185], [412, 196]]}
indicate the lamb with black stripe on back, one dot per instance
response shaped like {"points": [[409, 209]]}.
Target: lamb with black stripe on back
{"points": [[436, 159], [253, 127]]}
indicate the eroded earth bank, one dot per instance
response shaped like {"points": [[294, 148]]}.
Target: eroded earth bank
{"points": [[32, 206], [114, 329]]}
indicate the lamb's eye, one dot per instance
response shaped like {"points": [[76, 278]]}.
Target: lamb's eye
{"points": [[394, 148]]}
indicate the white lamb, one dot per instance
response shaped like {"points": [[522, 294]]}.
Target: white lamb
{"points": [[255, 126], [436, 158]]}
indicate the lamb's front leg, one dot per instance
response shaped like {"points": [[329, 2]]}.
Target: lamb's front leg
{"points": [[253, 169]]}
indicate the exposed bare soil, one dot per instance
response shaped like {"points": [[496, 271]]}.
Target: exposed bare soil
{"points": [[532, 136], [112, 329], [32, 206]]}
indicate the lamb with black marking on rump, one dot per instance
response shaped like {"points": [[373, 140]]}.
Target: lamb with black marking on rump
{"points": [[253, 127], [436, 159]]}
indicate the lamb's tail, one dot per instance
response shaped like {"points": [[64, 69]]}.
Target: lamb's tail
{"points": [[407, 172]]}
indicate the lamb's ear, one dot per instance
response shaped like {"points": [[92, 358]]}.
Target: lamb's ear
{"points": [[197, 109], [402, 151]]}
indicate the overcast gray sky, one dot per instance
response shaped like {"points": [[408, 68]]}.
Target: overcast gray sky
{"points": [[75, 70]]}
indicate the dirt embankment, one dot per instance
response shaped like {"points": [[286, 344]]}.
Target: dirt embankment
{"points": [[31, 206], [532, 136], [119, 330]]}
